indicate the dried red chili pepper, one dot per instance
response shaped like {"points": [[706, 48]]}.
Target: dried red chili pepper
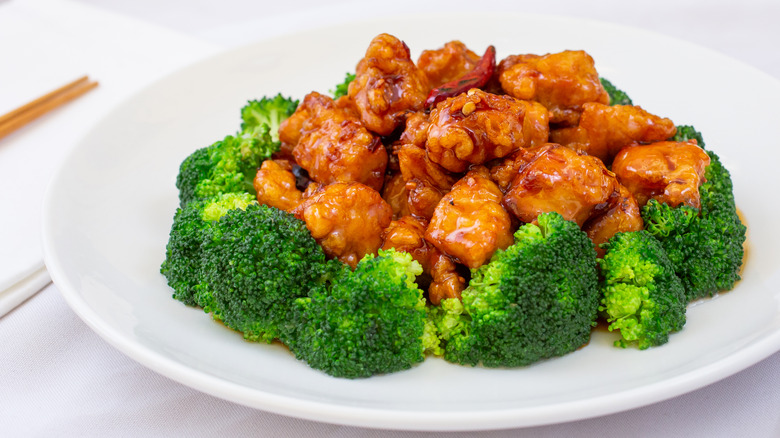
{"points": [[474, 79]]}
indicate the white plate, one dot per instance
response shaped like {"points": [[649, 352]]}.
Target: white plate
{"points": [[109, 209]]}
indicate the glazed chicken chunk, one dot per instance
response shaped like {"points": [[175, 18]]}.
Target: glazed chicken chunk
{"points": [[408, 235], [387, 85], [475, 127], [669, 172], [447, 63], [604, 130], [562, 82], [346, 219], [422, 198], [469, 222], [559, 179], [395, 194], [621, 214], [416, 129], [414, 164], [332, 145], [426, 181], [275, 185]]}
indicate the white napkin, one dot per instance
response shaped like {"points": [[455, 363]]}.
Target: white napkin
{"points": [[67, 40]]}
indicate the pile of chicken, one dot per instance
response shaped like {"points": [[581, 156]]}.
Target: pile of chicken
{"points": [[451, 182]]}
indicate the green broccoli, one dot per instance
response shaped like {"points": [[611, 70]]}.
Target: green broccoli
{"points": [[342, 89], [616, 96], [643, 298], [261, 117], [370, 321], [230, 165], [191, 225], [704, 245], [227, 166], [256, 262], [687, 132], [535, 300]]}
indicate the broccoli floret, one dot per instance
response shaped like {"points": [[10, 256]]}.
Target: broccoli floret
{"points": [[370, 321], [616, 96], [342, 89], [261, 117], [227, 166], [191, 225], [643, 298], [535, 300], [704, 245], [230, 165], [256, 263], [687, 132]]}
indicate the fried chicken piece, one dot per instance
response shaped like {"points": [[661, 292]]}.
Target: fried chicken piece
{"points": [[604, 130], [329, 142], [310, 114], [342, 151], [416, 130], [422, 198], [414, 164], [346, 219], [408, 234], [667, 171], [503, 171], [475, 127], [311, 189], [469, 222], [275, 185], [562, 82], [426, 181], [387, 85], [448, 63], [446, 282], [559, 179], [620, 215], [395, 194]]}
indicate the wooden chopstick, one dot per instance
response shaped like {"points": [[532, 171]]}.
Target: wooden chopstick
{"points": [[30, 111]]}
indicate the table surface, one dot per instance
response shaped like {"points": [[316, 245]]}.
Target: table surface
{"points": [[61, 379]]}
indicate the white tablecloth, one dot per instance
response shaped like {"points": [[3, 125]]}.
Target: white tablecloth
{"points": [[58, 378]]}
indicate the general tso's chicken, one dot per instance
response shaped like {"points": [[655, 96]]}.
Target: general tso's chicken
{"points": [[275, 185], [395, 194], [327, 139], [448, 63], [562, 180], [408, 234], [667, 171], [446, 282], [469, 222], [342, 151], [475, 127], [346, 219], [422, 198], [621, 214], [426, 181], [562, 82], [416, 129], [415, 164], [503, 171], [604, 130], [387, 85], [310, 114]]}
